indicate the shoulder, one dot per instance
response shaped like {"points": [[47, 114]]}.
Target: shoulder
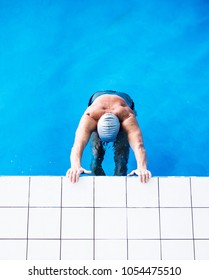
{"points": [[130, 123], [87, 123], [124, 113]]}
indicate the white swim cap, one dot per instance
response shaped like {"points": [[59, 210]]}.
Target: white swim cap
{"points": [[108, 127]]}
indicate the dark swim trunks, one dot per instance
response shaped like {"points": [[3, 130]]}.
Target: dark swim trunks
{"points": [[125, 96]]}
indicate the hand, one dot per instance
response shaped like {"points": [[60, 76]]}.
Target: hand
{"points": [[74, 173], [144, 174]]}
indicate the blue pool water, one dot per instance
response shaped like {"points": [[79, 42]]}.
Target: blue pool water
{"points": [[55, 54]]}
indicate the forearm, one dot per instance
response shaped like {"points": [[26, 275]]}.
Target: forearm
{"points": [[76, 155], [76, 169], [136, 141], [140, 155], [141, 169], [83, 133]]}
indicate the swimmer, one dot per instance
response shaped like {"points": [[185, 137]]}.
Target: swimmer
{"points": [[110, 117]]}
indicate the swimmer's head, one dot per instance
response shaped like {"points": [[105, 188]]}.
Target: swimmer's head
{"points": [[108, 127]]}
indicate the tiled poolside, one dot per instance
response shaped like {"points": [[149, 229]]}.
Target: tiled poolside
{"points": [[104, 218]]}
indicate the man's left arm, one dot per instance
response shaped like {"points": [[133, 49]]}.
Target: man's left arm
{"points": [[130, 125]]}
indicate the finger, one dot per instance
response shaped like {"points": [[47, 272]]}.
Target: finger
{"points": [[87, 171], [143, 177], [132, 173], [77, 176], [72, 177], [140, 176], [68, 173], [148, 175]]}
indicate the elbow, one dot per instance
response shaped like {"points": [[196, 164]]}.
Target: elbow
{"points": [[138, 147]]}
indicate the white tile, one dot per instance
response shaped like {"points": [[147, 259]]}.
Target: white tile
{"points": [[13, 250], [43, 249], [77, 250], [44, 223], [143, 223], [13, 222], [144, 249], [110, 191], [45, 191], [14, 191], [79, 194], [110, 223], [176, 223], [111, 250], [174, 192], [177, 250], [201, 222], [77, 223], [142, 195], [202, 249], [200, 191]]}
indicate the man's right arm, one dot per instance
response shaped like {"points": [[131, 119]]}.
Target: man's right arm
{"points": [[86, 126]]}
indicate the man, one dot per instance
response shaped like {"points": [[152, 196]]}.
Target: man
{"points": [[110, 117]]}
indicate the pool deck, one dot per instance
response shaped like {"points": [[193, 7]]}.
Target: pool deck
{"points": [[43, 217]]}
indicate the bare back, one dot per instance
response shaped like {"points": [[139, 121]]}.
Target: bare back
{"points": [[109, 103]]}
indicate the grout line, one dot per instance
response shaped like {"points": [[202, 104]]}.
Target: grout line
{"points": [[192, 216], [158, 182], [29, 184], [105, 207], [94, 243], [15, 207], [61, 189], [57, 239]]}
